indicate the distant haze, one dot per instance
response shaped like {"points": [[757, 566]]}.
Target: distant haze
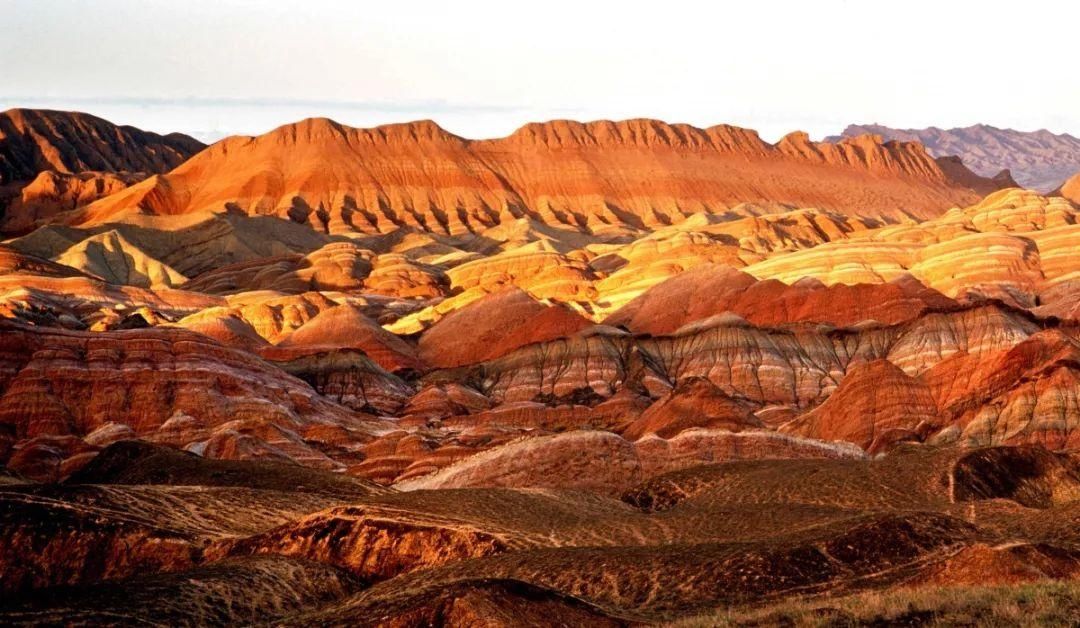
{"points": [[481, 69]]}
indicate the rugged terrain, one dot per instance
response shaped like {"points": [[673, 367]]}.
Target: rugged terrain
{"points": [[601, 373], [1039, 160], [52, 161]]}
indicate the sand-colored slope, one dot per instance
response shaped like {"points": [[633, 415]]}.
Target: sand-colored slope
{"points": [[112, 257], [1011, 244]]}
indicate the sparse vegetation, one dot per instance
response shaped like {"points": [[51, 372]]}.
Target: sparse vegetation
{"points": [[1040, 604]]}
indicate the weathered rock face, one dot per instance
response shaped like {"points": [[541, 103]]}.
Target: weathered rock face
{"points": [[170, 386], [273, 317], [346, 327], [348, 377], [565, 173], [151, 510], [114, 259], [876, 406], [54, 161], [335, 266], [192, 245], [1020, 394], [702, 536], [798, 366], [367, 545], [1009, 246], [539, 323], [228, 593], [12, 262], [493, 326], [695, 402], [710, 290], [53, 192], [1070, 189]]}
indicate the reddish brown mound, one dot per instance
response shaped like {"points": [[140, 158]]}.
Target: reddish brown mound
{"points": [[369, 546], [53, 192], [603, 462], [80, 158], [170, 385], [346, 376], [80, 544], [142, 463], [710, 290], [716, 536], [346, 327], [85, 534], [635, 173], [876, 406], [1022, 393], [1029, 475], [1070, 189], [1011, 563], [230, 593], [494, 326], [695, 402], [230, 330]]}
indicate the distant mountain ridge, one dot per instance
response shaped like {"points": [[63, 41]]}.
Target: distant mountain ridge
{"points": [[640, 174], [1039, 160], [36, 140], [52, 161]]}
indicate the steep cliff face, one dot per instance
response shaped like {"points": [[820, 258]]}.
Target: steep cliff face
{"points": [[635, 173]]}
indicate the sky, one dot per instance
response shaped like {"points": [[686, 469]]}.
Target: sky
{"points": [[212, 68]]}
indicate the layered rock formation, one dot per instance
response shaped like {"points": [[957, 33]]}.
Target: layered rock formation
{"points": [[61, 393], [654, 387], [35, 140], [635, 173], [52, 161], [52, 192], [1070, 189], [1011, 245], [494, 326]]}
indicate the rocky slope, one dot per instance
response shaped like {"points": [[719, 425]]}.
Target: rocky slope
{"points": [[1070, 189], [64, 395], [51, 161], [1039, 160], [598, 176], [602, 374], [721, 535]]}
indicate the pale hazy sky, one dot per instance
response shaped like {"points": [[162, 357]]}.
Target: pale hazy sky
{"points": [[481, 69]]}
